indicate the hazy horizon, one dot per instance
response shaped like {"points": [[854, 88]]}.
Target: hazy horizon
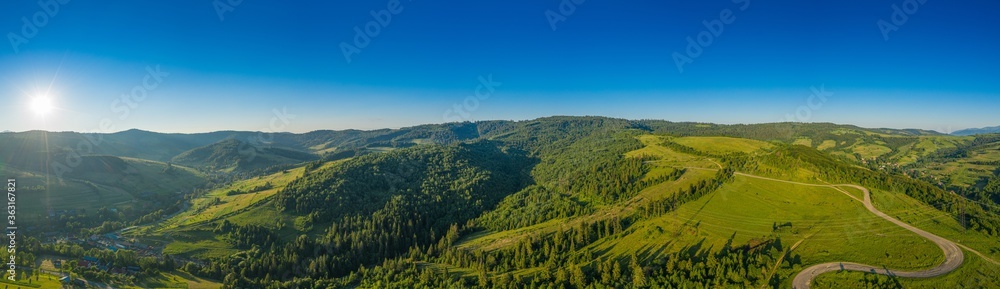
{"points": [[443, 123]]}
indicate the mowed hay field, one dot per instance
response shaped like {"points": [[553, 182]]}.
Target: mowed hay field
{"points": [[870, 151], [722, 145], [666, 157]]}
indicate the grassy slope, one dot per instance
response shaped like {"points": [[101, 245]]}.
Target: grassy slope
{"points": [[142, 176], [43, 281], [495, 240], [190, 231], [722, 145], [176, 279], [837, 226], [867, 148], [974, 273], [109, 188], [65, 195], [964, 172], [668, 160]]}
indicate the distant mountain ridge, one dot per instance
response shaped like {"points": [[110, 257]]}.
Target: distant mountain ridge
{"points": [[975, 131], [237, 155], [36, 150]]}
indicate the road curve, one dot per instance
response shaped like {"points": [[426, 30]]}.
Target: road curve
{"points": [[953, 256]]}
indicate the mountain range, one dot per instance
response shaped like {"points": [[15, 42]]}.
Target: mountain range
{"points": [[975, 131], [576, 202]]}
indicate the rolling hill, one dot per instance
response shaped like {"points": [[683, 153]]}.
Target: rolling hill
{"points": [[975, 131], [235, 155], [593, 202], [585, 202]]}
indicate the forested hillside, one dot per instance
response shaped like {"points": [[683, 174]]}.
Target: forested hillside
{"points": [[571, 201], [235, 155], [557, 202]]}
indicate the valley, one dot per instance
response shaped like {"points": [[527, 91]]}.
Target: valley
{"points": [[580, 202]]}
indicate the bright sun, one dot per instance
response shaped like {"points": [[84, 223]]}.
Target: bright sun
{"points": [[41, 105]]}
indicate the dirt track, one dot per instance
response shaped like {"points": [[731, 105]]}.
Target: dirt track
{"points": [[952, 253]]}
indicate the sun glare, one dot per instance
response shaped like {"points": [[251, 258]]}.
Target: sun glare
{"points": [[41, 105]]}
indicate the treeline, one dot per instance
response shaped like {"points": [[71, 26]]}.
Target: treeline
{"points": [[693, 192], [148, 266], [264, 187], [365, 184], [731, 266], [373, 208], [550, 251], [104, 219], [986, 191], [962, 150], [746, 265], [246, 236], [581, 164], [533, 205], [684, 149], [786, 132], [593, 167]]}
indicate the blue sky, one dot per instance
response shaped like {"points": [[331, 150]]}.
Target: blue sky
{"points": [[938, 69]]}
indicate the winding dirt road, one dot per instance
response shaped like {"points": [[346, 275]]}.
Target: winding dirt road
{"points": [[953, 256]]}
